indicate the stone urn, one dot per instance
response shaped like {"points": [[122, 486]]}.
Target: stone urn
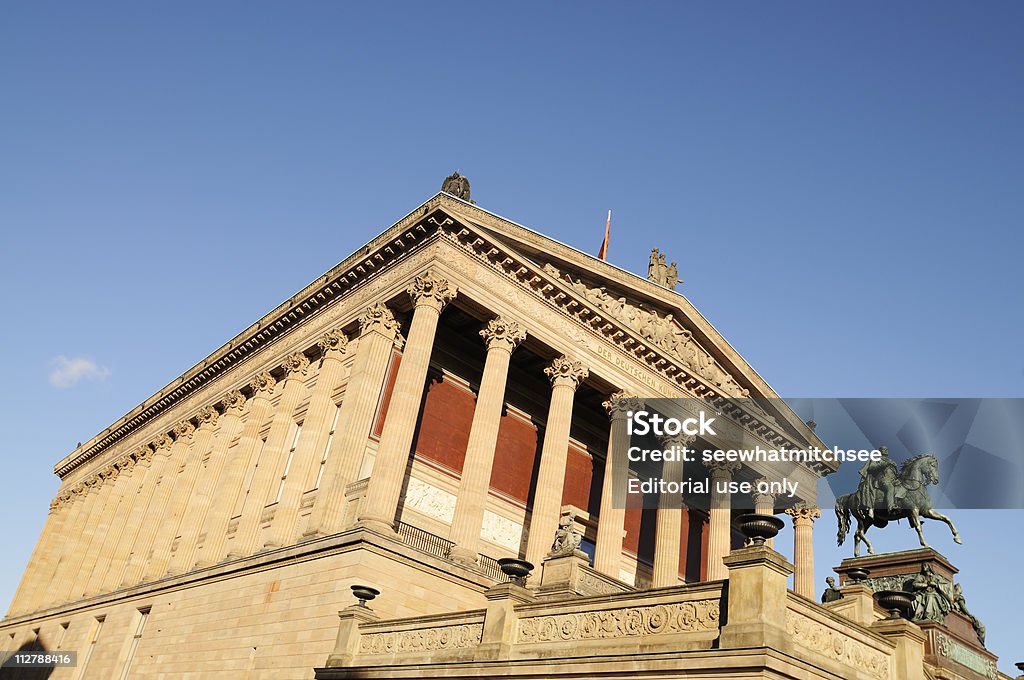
{"points": [[758, 528], [897, 602], [364, 594], [517, 570], [857, 574]]}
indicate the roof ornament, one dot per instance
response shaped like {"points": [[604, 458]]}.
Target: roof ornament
{"points": [[661, 272], [457, 185]]}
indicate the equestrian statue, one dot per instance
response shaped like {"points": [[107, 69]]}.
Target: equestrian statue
{"points": [[886, 494]]}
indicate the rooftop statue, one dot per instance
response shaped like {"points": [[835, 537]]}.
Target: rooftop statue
{"points": [[661, 272], [457, 185], [884, 495]]}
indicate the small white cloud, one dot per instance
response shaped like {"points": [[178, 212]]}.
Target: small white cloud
{"points": [[65, 372]]}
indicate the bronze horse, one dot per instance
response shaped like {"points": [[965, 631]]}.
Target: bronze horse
{"points": [[912, 502]]}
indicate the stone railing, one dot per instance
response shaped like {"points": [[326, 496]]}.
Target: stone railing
{"points": [[447, 636], [815, 631]]}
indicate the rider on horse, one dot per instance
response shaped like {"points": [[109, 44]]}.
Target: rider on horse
{"points": [[878, 483]]}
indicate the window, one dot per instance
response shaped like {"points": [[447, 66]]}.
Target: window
{"points": [[327, 449], [140, 624], [83, 663], [248, 481], [288, 462]]}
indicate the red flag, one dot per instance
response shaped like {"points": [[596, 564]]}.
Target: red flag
{"points": [[603, 253]]}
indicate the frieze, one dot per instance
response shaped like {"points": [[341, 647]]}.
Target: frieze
{"points": [[501, 530], [817, 637], [965, 656], [659, 619], [422, 640], [430, 500]]}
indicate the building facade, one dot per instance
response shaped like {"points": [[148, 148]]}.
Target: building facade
{"points": [[443, 398]]}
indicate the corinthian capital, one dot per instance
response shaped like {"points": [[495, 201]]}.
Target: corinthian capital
{"points": [[183, 430], [621, 403], [143, 455], [233, 402], [295, 365], [803, 513], [378, 317], [431, 291], [676, 442], [333, 344], [263, 384], [207, 417], [721, 469], [163, 443], [565, 371], [503, 333]]}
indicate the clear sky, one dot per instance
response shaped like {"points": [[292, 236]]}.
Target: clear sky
{"points": [[840, 183]]}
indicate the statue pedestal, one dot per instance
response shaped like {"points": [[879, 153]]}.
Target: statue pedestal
{"points": [[951, 640]]}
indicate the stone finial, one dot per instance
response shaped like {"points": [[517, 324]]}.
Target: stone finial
{"points": [[566, 371], [432, 291], [333, 343], [233, 401], [295, 365], [378, 317], [621, 403], [503, 333], [263, 384]]}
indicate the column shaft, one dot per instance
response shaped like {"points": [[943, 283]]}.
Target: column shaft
{"points": [[136, 501], [267, 477], [566, 376], [720, 519], [611, 522], [764, 503], [669, 519], [23, 600], [803, 547], [241, 459], [359, 405], [68, 582], [502, 337], [206, 484], [132, 474], [430, 294]]}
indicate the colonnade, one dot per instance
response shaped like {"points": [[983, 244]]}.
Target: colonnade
{"points": [[201, 492]]}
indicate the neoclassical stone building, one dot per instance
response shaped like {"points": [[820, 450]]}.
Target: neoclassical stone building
{"points": [[441, 399]]}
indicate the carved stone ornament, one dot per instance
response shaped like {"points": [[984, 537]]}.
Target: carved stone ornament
{"points": [[183, 430], [764, 495], [722, 469], [802, 512], [378, 317], [432, 291], [674, 617], [503, 333], [457, 185], [144, 454], [163, 442], [295, 365], [263, 384], [333, 343], [422, 640], [662, 331], [207, 417], [567, 539], [621, 403], [661, 272], [233, 401], [819, 637], [565, 371]]}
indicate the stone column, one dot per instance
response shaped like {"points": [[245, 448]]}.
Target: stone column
{"points": [[167, 458], [502, 337], [612, 520], [133, 473], [181, 493], [430, 294], [378, 330], [764, 502], [566, 375], [68, 583], [135, 511], [803, 547], [720, 519], [81, 496], [229, 489], [206, 484], [315, 429], [669, 521], [267, 476], [42, 555]]}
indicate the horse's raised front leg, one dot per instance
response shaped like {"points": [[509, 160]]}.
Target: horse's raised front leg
{"points": [[932, 513], [862, 534], [915, 520]]}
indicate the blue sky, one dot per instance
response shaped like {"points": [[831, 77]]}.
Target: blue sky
{"points": [[840, 185]]}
